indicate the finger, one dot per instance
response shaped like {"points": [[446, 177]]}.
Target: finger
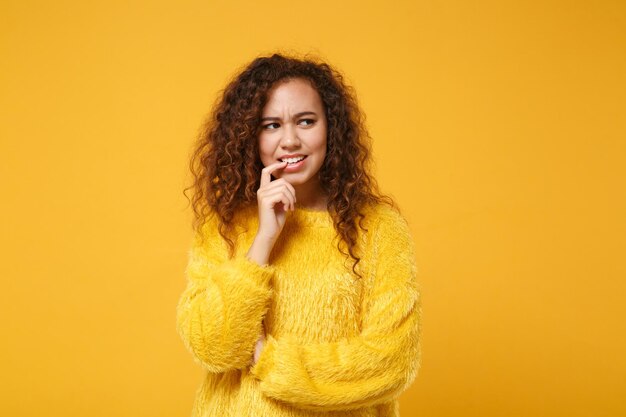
{"points": [[291, 204], [280, 183], [287, 200], [266, 173], [279, 196]]}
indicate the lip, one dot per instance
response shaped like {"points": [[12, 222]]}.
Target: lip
{"points": [[294, 167], [293, 155]]}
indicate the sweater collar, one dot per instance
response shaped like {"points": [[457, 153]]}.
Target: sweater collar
{"points": [[308, 217], [300, 217]]}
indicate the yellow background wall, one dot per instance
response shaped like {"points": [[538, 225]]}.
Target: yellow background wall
{"points": [[498, 126]]}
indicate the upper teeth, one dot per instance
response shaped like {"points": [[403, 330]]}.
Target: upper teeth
{"points": [[292, 160]]}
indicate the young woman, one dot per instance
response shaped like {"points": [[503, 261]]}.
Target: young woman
{"points": [[301, 296]]}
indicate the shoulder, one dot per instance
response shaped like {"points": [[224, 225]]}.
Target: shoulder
{"points": [[389, 231], [208, 233], [387, 219], [386, 211], [241, 219], [393, 246]]}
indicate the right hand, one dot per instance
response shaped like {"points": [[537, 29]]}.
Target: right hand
{"points": [[258, 348], [274, 198]]}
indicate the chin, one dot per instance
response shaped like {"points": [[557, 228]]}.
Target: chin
{"points": [[294, 178]]}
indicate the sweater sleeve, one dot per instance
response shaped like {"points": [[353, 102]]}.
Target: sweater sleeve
{"points": [[219, 314], [372, 368]]}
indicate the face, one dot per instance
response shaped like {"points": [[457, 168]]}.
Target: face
{"points": [[293, 122]]}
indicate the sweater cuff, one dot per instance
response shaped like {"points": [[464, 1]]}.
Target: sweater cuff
{"points": [[266, 360], [261, 273]]}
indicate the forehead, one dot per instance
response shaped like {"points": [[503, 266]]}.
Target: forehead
{"points": [[295, 94]]}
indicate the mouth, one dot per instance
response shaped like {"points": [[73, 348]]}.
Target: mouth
{"points": [[293, 161]]}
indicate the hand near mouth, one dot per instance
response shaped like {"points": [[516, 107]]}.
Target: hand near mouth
{"points": [[274, 198]]}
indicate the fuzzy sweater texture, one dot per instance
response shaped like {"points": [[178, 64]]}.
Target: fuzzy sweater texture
{"points": [[336, 345]]}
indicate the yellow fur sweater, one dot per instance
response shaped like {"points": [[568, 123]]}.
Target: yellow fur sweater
{"points": [[336, 345]]}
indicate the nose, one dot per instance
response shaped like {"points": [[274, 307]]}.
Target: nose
{"points": [[290, 137]]}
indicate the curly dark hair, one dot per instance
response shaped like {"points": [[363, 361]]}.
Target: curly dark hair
{"points": [[226, 165]]}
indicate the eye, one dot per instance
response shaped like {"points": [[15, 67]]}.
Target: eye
{"points": [[268, 126], [310, 121]]}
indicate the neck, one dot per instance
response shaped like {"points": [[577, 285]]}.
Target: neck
{"points": [[311, 196]]}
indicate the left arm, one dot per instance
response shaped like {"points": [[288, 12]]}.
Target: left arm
{"points": [[373, 367]]}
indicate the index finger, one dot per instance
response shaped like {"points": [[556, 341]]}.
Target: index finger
{"points": [[266, 172]]}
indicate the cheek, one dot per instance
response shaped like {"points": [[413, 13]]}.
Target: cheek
{"points": [[321, 147], [265, 151], [318, 140]]}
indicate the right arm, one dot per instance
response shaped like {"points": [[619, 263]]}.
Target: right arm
{"points": [[219, 314]]}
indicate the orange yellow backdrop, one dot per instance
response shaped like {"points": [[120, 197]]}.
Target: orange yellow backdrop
{"points": [[498, 126]]}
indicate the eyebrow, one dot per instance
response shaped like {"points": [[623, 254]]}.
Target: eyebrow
{"points": [[295, 116]]}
